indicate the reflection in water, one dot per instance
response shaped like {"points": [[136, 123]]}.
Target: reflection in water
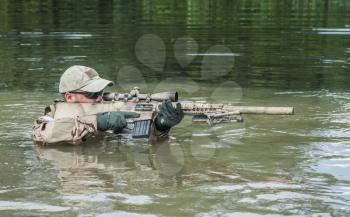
{"points": [[92, 168], [279, 45]]}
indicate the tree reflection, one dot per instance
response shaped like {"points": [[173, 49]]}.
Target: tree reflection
{"points": [[272, 36]]}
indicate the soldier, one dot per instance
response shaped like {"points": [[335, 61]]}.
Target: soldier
{"points": [[80, 117]]}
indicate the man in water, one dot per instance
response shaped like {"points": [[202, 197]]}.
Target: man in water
{"points": [[80, 116]]}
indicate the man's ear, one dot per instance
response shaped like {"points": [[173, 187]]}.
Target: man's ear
{"points": [[68, 97]]}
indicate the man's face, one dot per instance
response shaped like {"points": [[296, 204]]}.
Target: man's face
{"points": [[80, 98]]}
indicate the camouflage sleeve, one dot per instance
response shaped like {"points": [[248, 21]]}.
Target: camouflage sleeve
{"points": [[47, 130]]}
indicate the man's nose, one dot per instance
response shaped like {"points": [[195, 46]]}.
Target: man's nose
{"points": [[99, 99]]}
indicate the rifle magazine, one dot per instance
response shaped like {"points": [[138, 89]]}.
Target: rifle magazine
{"points": [[142, 128]]}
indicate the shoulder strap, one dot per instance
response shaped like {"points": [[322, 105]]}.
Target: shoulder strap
{"points": [[50, 110]]}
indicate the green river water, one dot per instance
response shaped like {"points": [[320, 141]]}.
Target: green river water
{"points": [[247, 52]]}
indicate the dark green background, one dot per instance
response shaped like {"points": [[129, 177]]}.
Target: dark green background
{"points": [[277, 40]]}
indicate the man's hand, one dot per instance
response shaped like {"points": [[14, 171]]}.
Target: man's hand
{"points": [[168, 116], [115, 121]]}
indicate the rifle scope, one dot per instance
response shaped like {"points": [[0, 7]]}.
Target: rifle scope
{"points": [[114, 96]]}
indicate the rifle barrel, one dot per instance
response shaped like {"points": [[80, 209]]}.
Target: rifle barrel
{"points": [[197, 108], [264, 110]]}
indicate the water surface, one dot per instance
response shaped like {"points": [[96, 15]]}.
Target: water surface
{"points": [[273, 53]]}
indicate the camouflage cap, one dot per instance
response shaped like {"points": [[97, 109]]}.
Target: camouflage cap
{"points": [[82, 78]]}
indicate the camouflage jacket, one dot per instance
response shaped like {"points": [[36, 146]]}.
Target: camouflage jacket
{"points": [[74, 123]]}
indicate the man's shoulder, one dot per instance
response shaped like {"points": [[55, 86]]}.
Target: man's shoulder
{"points": [[50, 109]]}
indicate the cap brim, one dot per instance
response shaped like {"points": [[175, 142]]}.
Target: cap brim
{"points": [[97, 85]]}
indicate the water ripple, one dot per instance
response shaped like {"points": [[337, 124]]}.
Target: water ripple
{"points": [[252, 185], [332, 31], [12, 205], [102, 197], [64, 35], [123, 214], [247, 214]]}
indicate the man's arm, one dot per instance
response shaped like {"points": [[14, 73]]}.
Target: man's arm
{"points": [[47, 130]]}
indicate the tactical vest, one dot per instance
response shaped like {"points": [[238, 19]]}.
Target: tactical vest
{"points": [[74, 122]]}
